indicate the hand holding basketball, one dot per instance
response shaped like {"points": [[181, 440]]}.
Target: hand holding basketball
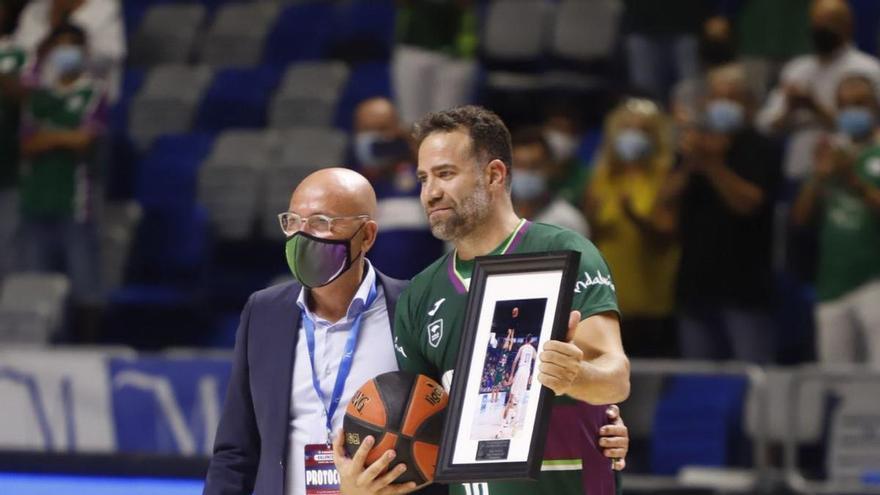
{"points": [[561, 361], [396, 417], [376, 479]]}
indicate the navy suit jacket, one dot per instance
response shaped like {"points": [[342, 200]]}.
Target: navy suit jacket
{"points": [[250, 450]]}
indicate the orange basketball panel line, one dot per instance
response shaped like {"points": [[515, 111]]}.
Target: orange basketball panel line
{"points": [[425, 458], [387, 442], [427, 398], [366, 404]]}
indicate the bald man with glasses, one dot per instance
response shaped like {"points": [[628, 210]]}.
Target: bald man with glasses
{"points": [[303, 348]]}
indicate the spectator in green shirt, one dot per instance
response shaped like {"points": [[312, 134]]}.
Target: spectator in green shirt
{"points": [[844, 195], [60, 124], [433, 66]]}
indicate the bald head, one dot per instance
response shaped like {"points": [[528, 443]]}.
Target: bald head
{"points": [[377, 115], [334, 192], [834, 15], [345, 196]]}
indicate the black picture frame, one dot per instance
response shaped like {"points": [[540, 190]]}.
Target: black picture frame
{"points": [[466, 454]]}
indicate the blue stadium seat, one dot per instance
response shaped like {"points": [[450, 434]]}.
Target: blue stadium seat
{"points": [[132, 80], [166, 35], [121, 175], [133, 11], [698, 421], [162, 302], [303, 32], [239, 268], [237, 98], [365, 19], [167, 101], [167, 176], [170, 246], [366, 81], [364, 29]]}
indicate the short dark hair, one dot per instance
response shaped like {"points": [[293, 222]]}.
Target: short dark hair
{"points": [[530, 136], [67, 29], [489, 136]]}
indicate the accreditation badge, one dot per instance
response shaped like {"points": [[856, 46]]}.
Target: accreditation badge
{"points": [[321, 475]]}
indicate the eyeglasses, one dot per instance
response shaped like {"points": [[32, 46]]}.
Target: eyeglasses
{"points": [[292, 223]]}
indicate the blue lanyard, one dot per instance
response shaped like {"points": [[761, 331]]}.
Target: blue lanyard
{"points": [[344, 363]]}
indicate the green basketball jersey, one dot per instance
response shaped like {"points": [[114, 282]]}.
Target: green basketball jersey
{"points": [[12, 60], [55, 183], [849, 237], [428, 323]]}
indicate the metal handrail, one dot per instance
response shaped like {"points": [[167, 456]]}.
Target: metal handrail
{"points": [[834, 374]]}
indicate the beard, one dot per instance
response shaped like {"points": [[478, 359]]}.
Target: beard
{"points": [[464, 217]]}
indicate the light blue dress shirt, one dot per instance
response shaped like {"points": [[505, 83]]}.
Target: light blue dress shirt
{"points": [[373, 355]]}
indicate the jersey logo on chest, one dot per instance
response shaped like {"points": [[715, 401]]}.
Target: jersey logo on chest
{"points": [[436, 306], [435, 332]]}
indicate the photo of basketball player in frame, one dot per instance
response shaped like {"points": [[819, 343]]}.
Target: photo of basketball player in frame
{"points": [[498, 413]]}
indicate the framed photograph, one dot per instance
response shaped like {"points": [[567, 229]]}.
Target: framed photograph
{"points": [[498, 413]]}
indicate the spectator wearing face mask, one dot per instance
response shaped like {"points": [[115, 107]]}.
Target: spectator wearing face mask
{"points": [[382, 152], [379, 145], [563, 133], [632, 165], [803, 103], [719, 200], [60, 124], [530, 184], [843, 193], [100, 19]]}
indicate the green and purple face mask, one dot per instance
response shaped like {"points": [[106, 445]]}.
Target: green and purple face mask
{"points": [[316, 262]]}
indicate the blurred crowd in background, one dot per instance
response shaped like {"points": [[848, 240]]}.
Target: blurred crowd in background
{"points": [[722, 154]]}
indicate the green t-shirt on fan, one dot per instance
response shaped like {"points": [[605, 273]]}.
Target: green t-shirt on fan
{"points": [[427, 327], [849, 237], [55, 184], [445, 27]]}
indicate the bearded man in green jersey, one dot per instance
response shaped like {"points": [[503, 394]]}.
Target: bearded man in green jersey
{"points": [[464, 164]]}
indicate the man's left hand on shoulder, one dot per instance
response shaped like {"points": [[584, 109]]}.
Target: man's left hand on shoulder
{"points": [[561, 361]]}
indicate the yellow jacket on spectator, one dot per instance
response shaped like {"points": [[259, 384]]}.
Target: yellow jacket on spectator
{"points": [[620, 197]]}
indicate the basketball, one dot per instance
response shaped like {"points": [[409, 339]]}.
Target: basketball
{"points": [[402, 411]]}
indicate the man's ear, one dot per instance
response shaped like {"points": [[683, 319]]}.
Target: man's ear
{"points": [[371, 230], [498, 173]]}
